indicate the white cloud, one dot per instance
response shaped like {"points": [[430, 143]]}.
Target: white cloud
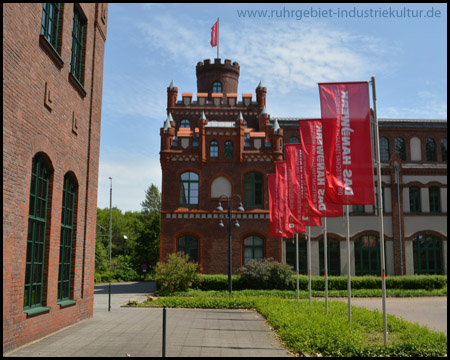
{"points": [[298, 57], [287, 55]]}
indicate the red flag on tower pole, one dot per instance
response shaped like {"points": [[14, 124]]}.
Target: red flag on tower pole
{"points": [[215, 36]]}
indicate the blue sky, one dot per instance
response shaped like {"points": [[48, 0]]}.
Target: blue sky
{"points": [[149, 45]]}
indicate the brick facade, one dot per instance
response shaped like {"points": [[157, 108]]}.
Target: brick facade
{"points": [[213, 116], [49, 112]]}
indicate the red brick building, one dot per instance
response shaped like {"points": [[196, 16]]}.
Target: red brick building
{"points": [[52, 93], [214, 143]]}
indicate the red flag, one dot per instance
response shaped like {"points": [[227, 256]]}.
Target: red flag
{"points": [[291, 219], [214, 34], [346, 136], [275, 222], [296, 161], [311, 143]]}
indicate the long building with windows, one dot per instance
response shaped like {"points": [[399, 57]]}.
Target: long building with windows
{"points": [[52, 93], [216, 146]]}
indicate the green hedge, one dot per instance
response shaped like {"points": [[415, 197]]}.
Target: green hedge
{"points": [[410, 282]]}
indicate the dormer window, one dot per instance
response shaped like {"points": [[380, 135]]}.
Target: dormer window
{"points": [[217, 87]]}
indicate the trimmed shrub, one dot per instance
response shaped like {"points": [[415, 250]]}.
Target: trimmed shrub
{"points": [[266, 274], [177, 274]]}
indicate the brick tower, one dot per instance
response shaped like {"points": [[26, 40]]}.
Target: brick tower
{"points": [[217, 145]]}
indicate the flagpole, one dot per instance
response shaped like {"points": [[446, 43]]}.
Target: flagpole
{"points": [[218, 38], [380, 212], [349, 290], [309, 261], [325, 260], [296, 263]]}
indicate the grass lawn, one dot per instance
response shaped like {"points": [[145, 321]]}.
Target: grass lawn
{"points": [[306, 329]]}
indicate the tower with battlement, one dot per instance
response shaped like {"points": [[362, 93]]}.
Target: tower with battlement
{"points": [[217, 143]]}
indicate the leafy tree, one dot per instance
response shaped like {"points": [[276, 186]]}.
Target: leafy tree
{"points": [[147, 241], [152, 202], [142, 244]]}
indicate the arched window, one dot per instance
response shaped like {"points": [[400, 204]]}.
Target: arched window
{"points": [[291, 257], [253, 248], [254, 189], [188, 189], [36, 238], [185, 123], [427, 253], [367, 255], [188, 244], [415, 205], [214, 149], [229, 150], [431, 150], [444, 149], [294, 140], [217, 87], [435, 199], [66, 239], [384, 149], [399, 144], [333, 257]]}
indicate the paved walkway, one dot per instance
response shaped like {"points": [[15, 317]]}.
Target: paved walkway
{"points": [[193, 332], [138, 331], [429, 311]]}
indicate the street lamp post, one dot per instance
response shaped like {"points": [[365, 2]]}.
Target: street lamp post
{"points": [[239, 208], [125, 238], [110, 236]]}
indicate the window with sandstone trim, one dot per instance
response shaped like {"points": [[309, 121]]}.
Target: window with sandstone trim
{"points": [[333, 257], [431, 150], [188, 189], [414, 200], [427, 253], [291, 256], [399, 145], [384, 149], [444, 149], [253, 189], [253, 249], [435, 199], [188, 244], [367, 256], [229, 150], [214, 149]]}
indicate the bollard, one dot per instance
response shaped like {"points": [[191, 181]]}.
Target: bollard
{"points": [[164, 332], [109, 297]]}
